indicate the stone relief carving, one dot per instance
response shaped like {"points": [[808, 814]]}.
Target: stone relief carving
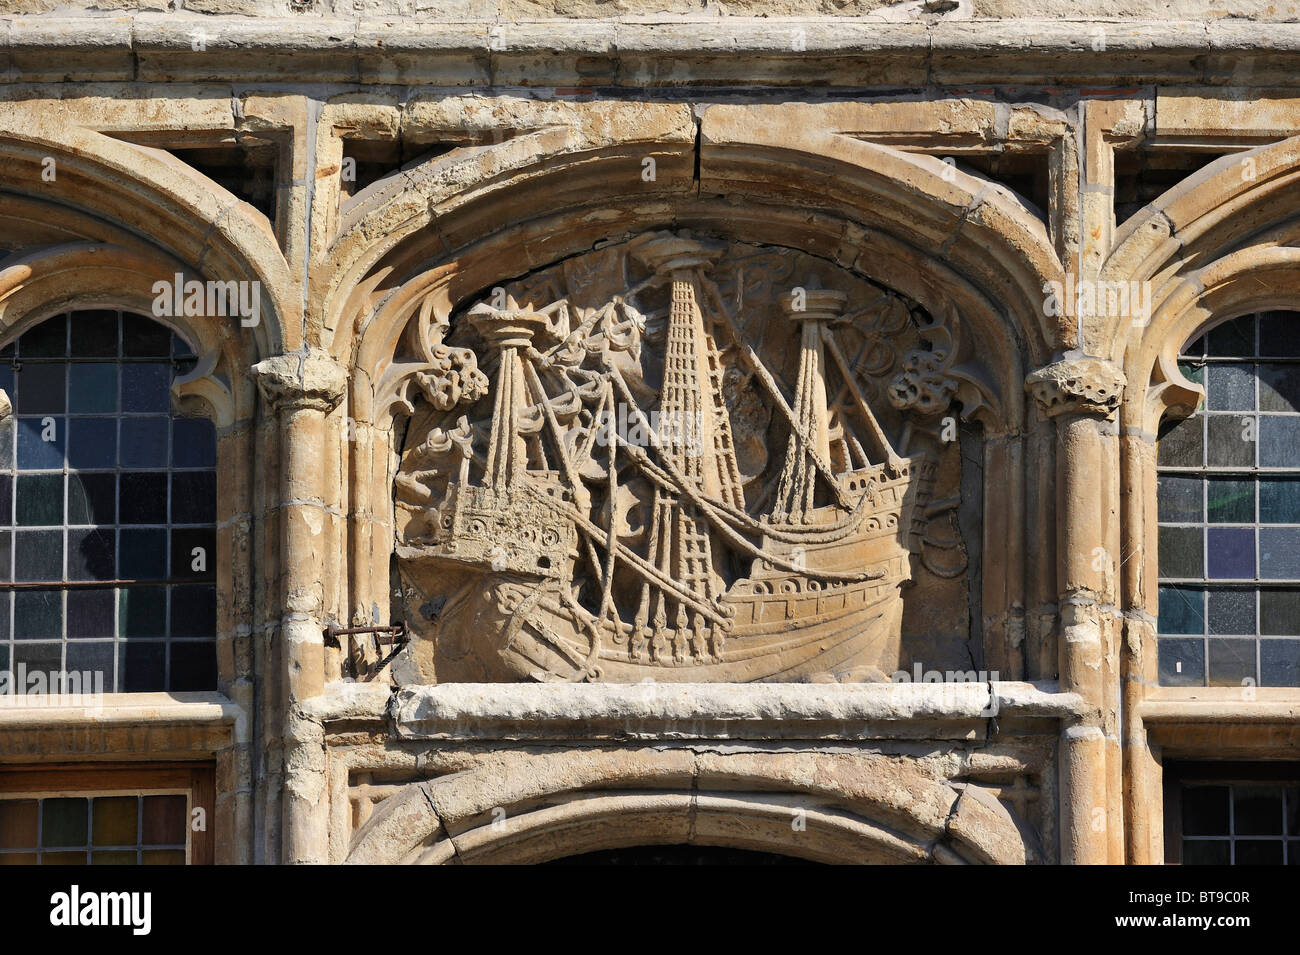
{"points": [[672, 458]]}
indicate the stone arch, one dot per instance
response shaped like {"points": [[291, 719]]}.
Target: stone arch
{"points": [[147, 201], [528, 808], [477, 215], [1235, 217]]}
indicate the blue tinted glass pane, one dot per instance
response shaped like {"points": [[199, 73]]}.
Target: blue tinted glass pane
{"points": [[1232, 662], [40, 500], [1279, 500], [1279, 442], [1181, 610], [1182, 661], [41, 389], [45, 657], [90, 613], [92, 443], [145, 387], [90, 555], [38, 614], [142, 554], [1230, 552], [1279, 665], [144, 442], [142, 612], [1230, 501], [92, 388], [38, 555], [1230, 387], [1232, 441], [41, 442], [1279, 553], [1179, 499], [195, 443], [6, 499], [6, 572]]}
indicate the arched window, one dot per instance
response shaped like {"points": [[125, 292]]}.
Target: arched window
{"points": [[107, 509], [1229, 512]]}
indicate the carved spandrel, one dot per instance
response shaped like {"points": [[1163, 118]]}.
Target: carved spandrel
{"points": [[702, 475]]}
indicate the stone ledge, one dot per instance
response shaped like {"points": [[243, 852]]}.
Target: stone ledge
{"points": [[695, 710], [772, 51]]}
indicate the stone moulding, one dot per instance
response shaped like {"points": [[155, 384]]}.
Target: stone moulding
{"points": [[701, 710], [842, 50]]}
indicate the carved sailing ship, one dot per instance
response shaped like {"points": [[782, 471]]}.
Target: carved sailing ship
{"points": [[592, 529]]}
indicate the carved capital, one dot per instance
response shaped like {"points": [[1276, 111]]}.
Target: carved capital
{"points": [[296, 381], [1087, 386]]}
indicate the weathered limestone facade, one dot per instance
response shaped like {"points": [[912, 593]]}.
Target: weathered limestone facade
{"points": [[963, 158]]}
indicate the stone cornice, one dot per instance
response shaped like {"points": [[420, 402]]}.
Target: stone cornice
{"points": [[1086, 386], [633, 52]]}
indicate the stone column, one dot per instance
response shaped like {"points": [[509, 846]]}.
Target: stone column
{"points": [[1082, 395], [302, 388]]}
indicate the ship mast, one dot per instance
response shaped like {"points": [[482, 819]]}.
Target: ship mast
{"points": [[810, 438], [695, 436], [510, 330]]}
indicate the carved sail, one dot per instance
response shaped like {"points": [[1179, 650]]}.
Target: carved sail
{"points": [[602, 528]]}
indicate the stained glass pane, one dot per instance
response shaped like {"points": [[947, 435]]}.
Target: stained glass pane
{"points": [[47, 340], [142, 338], [1181, 552], [1183, 445], [1232, 661], [142, 554], [1231, 611], [92, 388], [1279, 387], [40, 500], [41, 443], [1279, 500], [116, 820], [1279, 553], [94, 335], [1205, 811], [92, 443], [92, 498], [90, 554], [1230, 388], [64, 822], [1180, 499], [1181, 610], [1232, 440], [1279, 442], [1279, 612], [1230, 501], [1279, 663], [144, 442], [1235, 339], [38, 614], [1230, 553], [145, 387], [1182, 661], [18, 823], [164, 820], [1279, 335], [38, 555], [143, 498], [90, 613]]}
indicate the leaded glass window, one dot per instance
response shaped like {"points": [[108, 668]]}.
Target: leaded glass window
{"points": [[107, 509], [1229, 512]]}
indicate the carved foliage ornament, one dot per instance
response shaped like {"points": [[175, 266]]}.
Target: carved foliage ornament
{"points": [[670, 458]]}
